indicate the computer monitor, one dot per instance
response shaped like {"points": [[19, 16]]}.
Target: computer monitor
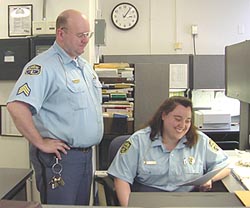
{"points": [[237, 64]]}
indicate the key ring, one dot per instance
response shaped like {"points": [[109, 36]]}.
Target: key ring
{"points": [[57, 167]]}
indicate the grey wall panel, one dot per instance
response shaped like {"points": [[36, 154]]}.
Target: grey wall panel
{"points": [[151, 89], [209, 72], [171, 59]]}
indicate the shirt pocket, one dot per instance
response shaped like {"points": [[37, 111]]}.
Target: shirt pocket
{"points": [[77, 90], [190, 172], [98, 89], [151, 173], [193, 169], [152, 169]]}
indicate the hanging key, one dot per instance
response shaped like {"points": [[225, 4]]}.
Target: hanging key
{"points": [[54, 183], [60, 181], [57, 179]]}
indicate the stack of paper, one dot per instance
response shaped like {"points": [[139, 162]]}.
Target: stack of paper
{"points": [[241, 168]]}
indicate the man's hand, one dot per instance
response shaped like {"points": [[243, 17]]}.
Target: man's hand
{"points": [[54, 146]]}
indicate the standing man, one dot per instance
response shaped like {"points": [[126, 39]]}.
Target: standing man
{"points": [[56, 105]]}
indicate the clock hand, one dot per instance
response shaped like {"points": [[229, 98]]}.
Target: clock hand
{"points": [[127, 12]]}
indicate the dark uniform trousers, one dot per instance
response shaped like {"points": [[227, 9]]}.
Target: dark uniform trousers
{"points": [[76, 172]]}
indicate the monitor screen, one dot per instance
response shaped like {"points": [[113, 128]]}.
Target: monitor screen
{"points": [[238, 71]]}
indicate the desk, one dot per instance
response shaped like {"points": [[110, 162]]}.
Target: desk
{"points": [[232, 184], [184, 199], [13, 183]]}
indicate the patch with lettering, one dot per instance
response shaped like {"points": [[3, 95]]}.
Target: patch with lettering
{"points": [[25, 89], [33, 70], [213, 145], [125, 147]]}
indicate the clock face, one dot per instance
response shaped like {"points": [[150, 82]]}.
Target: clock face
{"points": [[124, 16]]}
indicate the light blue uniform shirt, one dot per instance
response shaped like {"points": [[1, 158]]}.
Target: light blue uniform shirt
{"points": [[64, 95], [150, 163]]}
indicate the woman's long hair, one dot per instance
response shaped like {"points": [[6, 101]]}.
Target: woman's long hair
{"points": [[167, 106]]}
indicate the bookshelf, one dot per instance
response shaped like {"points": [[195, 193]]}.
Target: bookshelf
{"points": [[117, 104]]}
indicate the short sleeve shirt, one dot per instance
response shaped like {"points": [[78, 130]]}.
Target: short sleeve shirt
{"points": [[64, 96], [150, 163]]}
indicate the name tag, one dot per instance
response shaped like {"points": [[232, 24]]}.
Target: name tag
{"points": [[76, 81], [150, 162]]}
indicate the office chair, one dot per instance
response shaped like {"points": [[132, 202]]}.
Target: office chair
{"points": [[102, 178]]}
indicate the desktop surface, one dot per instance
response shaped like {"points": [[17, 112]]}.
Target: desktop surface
{"points": [[184, 199], [12, 181]]}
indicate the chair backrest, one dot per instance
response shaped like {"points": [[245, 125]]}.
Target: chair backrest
{"points": [[114, 146], [107, 182]]}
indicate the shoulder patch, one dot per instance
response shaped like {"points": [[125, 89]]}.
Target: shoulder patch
{"points": [[25, 89], [125, 147], [33, 70], [213, 145]]}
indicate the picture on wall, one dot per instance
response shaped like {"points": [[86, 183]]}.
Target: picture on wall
{"points": [[20, 20]]}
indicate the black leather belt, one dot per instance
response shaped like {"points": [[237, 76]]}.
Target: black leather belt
{"points": [[82, 149]]}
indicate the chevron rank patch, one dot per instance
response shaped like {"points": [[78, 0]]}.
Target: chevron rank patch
{"points": [[33, 70], [125, 147], [213, 145], [25, 89]]}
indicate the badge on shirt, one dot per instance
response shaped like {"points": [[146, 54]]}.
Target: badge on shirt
{"points": [[33, 70], [25, 89], [125, 147], [213, 145], [190, 160]]}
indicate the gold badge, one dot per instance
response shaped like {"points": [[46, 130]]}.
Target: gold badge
{"points": [[25, 89], [191, 160], [125, 147], [213, 145], [33, 70]]}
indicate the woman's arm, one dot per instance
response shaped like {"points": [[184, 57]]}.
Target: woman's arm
{"points": [[222, 174], [208, 185], [122, 191]]}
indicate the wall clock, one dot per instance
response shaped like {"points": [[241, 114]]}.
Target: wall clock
{"points": [[124, 16]]}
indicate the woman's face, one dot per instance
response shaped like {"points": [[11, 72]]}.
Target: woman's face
{"points": [[177, 123]]}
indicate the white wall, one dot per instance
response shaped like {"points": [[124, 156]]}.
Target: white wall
{"points": [[163, 22]]}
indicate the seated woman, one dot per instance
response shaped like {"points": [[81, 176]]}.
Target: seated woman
{"points": [[167, 152]]}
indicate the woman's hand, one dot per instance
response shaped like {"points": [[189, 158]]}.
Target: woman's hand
{"points": [[206, 186]]}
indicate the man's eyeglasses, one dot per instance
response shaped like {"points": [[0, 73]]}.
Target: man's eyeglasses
{"points": [[81, 35]]}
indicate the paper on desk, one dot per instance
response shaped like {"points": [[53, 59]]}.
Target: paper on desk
{"points": [[203, 179]]}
